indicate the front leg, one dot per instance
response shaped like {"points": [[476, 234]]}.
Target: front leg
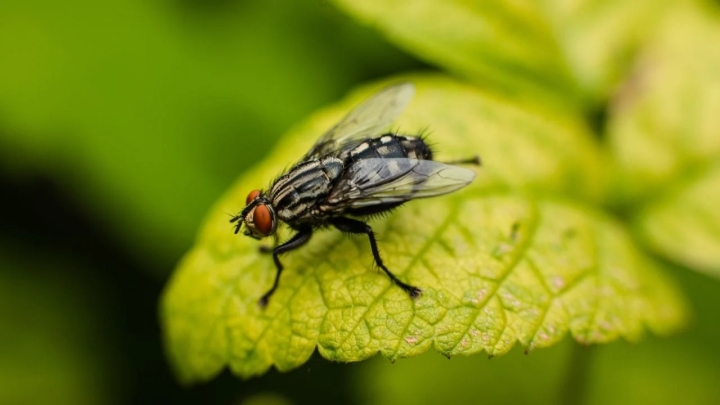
{"points": [[300, 238], [358, 227]]}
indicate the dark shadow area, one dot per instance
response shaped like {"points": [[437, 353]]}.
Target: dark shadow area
{"points": [[37, 213]]}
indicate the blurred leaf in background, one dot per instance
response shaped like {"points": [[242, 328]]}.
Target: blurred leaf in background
{"points": [[120, 123], [664, 137], [147, 110], [571, 54]]}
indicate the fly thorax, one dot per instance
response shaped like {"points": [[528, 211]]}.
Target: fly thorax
{"points": [[296, 193]]}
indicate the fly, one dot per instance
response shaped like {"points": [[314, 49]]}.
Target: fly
{"points": [[354, 171]]}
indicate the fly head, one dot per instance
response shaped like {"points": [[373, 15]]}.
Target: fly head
{"points": [[258, 216]]}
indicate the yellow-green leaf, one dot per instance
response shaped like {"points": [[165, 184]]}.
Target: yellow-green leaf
{"points": [[664, 137], [598, 38], [486, 287], [663, 122], [505, 260], [569, 52], [685, 224]]}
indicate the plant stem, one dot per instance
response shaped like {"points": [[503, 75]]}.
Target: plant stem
{"points": [[574, 390]]}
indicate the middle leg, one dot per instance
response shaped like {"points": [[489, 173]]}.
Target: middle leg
{"points": [[358, 227]]}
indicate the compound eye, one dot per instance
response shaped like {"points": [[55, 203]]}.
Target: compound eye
{"points": [[252, 196], [262, 219]]}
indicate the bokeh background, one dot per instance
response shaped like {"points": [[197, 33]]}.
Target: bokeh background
{"points": [[121, 122]]}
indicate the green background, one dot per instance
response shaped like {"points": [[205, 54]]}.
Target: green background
{"points": [[122, 122]]}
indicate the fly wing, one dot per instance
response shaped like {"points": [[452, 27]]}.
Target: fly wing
{"points": [[366, 120], [369, 182]]}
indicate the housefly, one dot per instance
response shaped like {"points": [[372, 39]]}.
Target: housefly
{"points": [[354, 171]]}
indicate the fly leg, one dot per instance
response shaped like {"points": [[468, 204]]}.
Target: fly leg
{"points": [[358, 227], [295, 242]]}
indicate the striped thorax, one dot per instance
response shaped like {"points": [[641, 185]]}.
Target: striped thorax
{"points": [[295, 193]]}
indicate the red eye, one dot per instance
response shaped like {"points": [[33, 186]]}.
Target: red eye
{"points": [[262, 219], [252, 196]]}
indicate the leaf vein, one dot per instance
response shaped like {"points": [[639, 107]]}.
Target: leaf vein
{"points": [[516, 256], [544, 309]]}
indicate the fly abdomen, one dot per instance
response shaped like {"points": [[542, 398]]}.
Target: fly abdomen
{"points": [[391, 146], [416, 148], [294, 194]]}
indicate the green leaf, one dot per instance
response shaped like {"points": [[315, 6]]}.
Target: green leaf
{"points": [[145, 111], [685, 224], [663, 122], [566, 52], [505, 260], [658, 371], [599, 38], [664, 137]]}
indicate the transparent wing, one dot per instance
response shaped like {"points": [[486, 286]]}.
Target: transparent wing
{"points": [[371, 182], [366, 120]]}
